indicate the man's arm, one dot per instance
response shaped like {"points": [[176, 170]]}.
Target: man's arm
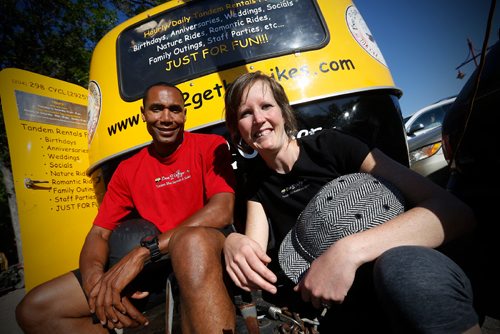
{"points": [[106, 299], [93, 257], [217, 213]]}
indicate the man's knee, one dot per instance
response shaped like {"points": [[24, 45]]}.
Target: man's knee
{"points": [[196, 252], [52, 301], [23, 312], [196, 241], [31, 310]]}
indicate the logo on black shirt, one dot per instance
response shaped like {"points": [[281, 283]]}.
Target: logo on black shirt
{"points": [[299, 186]]}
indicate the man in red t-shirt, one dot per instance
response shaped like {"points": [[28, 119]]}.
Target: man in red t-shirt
{"points": [[183, 184]]}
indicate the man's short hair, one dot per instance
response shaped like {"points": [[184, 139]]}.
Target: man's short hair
{"points": [[160, 83]]}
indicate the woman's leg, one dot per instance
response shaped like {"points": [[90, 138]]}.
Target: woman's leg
{"points": [[424, 291]]}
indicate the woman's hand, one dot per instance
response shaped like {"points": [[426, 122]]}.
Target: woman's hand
{"points": [[246, 264], [329, 278]]}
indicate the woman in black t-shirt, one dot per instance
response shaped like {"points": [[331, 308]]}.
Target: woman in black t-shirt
{"points": [[419, 288]]}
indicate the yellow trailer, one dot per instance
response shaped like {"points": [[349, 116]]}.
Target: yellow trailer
{"points": [[321, 51]]}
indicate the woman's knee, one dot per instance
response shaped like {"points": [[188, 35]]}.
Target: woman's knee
{"points": [[424, 287], [397, 264], [417, 267]]}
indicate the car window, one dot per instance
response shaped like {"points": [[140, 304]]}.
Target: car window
{"points": [[430, 119]]}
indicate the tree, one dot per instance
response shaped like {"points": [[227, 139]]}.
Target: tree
{"points": [[131, 8], [53, 38]]}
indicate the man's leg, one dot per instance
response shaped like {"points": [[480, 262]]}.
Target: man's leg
{"points": [[206, 306], [60, 306], [57, 306]]}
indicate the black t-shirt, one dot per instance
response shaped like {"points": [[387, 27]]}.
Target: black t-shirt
{"points": [[323, 157]]}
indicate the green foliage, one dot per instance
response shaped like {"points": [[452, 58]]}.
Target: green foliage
{"points": [[53, 38], [56, 37], [131, 8]]}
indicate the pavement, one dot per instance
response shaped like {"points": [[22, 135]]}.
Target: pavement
{"points": [[8, 302]]}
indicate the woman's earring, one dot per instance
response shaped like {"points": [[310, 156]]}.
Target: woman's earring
{"points": [[242, 145], [245, 150]]}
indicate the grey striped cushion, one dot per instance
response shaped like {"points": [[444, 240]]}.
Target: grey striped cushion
{"points": [[349, 204]]}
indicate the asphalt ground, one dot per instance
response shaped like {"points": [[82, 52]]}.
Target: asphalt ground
{"points": [[156, 316]]}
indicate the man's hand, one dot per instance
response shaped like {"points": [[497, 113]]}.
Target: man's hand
{"points": [[105, 299]]}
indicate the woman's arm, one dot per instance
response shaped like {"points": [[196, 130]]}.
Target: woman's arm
{"points": [[245, 255], [434, 216], [257, 226]]}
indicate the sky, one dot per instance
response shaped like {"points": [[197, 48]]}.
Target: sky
{"points": [[424, 41]]}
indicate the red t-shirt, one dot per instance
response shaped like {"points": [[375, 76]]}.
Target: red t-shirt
{"points": [[166, 191]]}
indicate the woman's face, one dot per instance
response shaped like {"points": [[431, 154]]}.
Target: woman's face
{"points": [[260, 119]]}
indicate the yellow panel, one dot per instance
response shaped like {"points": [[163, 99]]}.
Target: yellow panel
{"points": [[46, 122]]}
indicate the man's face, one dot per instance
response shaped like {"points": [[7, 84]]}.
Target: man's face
{"points": [[165, 115]]}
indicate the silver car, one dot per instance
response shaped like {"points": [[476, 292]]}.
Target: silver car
{"points": [[423, 131], [428, 117], [426, 153]]}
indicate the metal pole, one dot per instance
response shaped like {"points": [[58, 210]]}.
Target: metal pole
{"points": [[469, 43]]}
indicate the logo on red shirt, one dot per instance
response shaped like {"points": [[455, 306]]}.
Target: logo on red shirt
{"points": [[173, 178]]}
